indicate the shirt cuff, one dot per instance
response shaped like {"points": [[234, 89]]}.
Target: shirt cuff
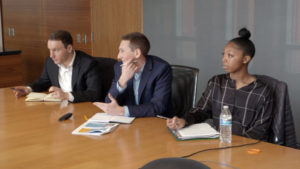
{"points": [[126, 113], [120, 89], [71, 97], [29, 88]]}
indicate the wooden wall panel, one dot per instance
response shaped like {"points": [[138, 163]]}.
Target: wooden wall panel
{"points": [[71, 15], [25, 17], [33, 20], [110, 20], [10, 70]]}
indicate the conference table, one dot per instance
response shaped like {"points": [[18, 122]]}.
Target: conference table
{"points": [[32, 137]]}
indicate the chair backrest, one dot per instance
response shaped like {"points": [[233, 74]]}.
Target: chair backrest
{"points": [[174, 163], [282, 126], [106, 67], [184, 88]]}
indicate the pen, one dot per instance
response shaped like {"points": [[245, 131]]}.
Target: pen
{"points": [[85, 117], [124, 64], [21, 90], [163, 117]]}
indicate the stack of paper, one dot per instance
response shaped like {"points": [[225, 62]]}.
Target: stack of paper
{"points": [[196, 131], [94, 128], [104, 117], [101, 123]]}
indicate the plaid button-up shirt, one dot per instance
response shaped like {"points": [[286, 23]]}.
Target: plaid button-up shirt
{"points": [[250, 106]]}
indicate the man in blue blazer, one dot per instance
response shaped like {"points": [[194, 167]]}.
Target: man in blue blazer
{"points": [[67, 74], [142, 83]]}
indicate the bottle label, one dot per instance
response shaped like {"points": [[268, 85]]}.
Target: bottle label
{"points": [[225, 122]]}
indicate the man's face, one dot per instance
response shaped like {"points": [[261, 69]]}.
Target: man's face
{"points": [[126, 55], [58, 53]]}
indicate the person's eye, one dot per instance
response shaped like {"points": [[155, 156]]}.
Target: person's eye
{"points": [[230, 55]]}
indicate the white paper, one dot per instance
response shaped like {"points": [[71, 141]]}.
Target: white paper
{"points": [[104, 117]]}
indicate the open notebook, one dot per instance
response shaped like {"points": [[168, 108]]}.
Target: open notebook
{"points": [[196, 131], [41, 97]]}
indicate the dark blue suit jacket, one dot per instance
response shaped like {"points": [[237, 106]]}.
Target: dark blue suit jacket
{"points": [[154, 89], [86, 80]]}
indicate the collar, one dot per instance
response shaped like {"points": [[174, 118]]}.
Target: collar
{"points": [[138, 74], [257, 81]]}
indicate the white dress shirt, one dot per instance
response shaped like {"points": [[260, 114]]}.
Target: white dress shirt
{"points": [[65, 78]]}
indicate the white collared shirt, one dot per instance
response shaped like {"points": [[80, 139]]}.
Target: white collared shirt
{"points": [[65, 77]]}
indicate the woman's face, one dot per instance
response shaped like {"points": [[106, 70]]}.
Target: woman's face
{"points": [[233, 58]]}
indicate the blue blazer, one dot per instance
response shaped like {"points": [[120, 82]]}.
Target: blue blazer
{"points": [[154, 89]]}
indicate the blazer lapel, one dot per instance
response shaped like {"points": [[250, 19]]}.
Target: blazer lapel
{"points": [[55, 75], [131, 91], [75, 72], [145, 76]]}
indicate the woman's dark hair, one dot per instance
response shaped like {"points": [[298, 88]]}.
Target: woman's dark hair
{"points": [[244, 42]]}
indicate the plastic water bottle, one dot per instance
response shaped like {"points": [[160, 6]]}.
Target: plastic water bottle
{"points": [[225, 125]]}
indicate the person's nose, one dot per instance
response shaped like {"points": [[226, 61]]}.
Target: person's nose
{"points": [[52, 54], [224, 59], [119, 56]]}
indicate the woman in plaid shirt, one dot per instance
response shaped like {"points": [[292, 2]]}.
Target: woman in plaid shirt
{"points": [[249, 99]]}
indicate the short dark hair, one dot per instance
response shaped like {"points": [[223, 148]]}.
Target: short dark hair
{"points": [[138, 40], [62, 35], [244, 42]]}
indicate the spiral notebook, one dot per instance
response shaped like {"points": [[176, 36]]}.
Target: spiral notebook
{"points": [[195, 131]]}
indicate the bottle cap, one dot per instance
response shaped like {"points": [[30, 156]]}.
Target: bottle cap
{"points": [[225, 107]]}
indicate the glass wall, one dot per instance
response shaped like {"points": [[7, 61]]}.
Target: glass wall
{"points": [[194, 33]]}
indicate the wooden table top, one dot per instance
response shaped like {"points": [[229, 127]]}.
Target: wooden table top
{"points": [[32, 137]]}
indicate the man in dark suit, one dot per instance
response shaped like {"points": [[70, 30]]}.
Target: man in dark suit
{"points": [[68, 74], [142, 83]]}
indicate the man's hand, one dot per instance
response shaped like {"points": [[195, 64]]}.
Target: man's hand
{"points": [[111, 108], [58, 93], [175, 123], [128, 70], [21, 91]]}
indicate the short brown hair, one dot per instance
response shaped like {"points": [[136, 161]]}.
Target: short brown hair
{"points": [[63, 36], [138, 40]]}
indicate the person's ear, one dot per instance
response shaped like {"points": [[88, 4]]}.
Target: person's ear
{"points": [[137, 53], [69, 48], [246, 59]]}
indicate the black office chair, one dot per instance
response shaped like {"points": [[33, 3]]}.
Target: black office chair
{"points": [[282, 126], [106, 67], [174, 163], [184, 88]]}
